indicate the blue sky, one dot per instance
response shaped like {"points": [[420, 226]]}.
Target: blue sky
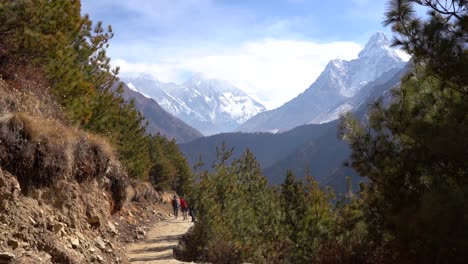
{"points": [[273, 50]]}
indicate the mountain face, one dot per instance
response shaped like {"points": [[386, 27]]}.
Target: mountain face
{"points": [[159, 120], [327, 97], [325, 155], [313, 146], [211, 106]]}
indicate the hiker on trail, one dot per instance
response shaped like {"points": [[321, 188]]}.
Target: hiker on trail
{"points": [[175, 206], [192, 213], [183, 208], [192, 210]]}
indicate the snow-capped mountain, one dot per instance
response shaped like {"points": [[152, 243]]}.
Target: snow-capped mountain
{"points": [[159, 120], [325, 100], [211, 106]]}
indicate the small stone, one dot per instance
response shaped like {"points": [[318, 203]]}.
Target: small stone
{"points": [[92, 250], [112, 228], [27, 247], [94, 220], [74, 242], [59, 228], [6, 257], [80, 236], [99, 243], [140, 232], [33, 222], [99, 258], [13, 243]]}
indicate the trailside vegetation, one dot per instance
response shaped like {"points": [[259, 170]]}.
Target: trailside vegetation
{"points": [[70, 51], [240, 218], [413, 150]]}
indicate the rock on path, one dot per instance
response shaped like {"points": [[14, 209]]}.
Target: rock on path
{"points": [[158, 245]]}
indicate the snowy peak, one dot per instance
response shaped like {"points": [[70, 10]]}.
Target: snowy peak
{"points": [[209, 86], [378, 46], [348, 77], [211, 106], [340, 81]]}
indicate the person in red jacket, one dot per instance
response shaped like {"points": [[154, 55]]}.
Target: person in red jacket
{"points": [[183, 208]]}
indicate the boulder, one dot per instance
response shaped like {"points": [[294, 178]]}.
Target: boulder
{"points": [[59, 228], [13, 243], [6, 258]]}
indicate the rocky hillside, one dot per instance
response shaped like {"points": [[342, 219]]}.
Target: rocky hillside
{"points": [[75, 156], [59, 185], [64, 197]]}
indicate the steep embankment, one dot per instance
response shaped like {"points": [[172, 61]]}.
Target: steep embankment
{"points": [[60, 186]]}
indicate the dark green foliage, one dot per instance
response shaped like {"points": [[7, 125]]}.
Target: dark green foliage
{"points": [[71, 50], [238, 215], [242, 219], [170, 170], [415, 150]]}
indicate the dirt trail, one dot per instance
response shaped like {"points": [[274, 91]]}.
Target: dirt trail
{"points": [[157, 246]]}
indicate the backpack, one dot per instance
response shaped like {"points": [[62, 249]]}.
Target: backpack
{"points": [[183, 204]]}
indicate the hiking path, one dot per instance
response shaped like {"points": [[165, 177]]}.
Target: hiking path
{"points": [[158, 245]]}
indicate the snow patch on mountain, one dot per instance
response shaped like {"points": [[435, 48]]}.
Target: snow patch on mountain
{"points": [[211, 106], [133, 88], [325, 100]]}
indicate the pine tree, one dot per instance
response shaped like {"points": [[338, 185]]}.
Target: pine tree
{"points": [[414, 151]]}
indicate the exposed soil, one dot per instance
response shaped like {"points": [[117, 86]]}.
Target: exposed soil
{"points": [[159, 243]]}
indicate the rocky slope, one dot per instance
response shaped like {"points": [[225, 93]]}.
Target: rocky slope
{"points": [[326, 98], [64, 197], [58, 185], [211, 106]]}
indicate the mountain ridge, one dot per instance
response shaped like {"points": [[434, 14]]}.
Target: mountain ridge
{"points": [[313, 146], [339, 81], [159, 120], [212, 106]]}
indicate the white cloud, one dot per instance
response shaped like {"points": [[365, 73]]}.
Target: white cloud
{"points": [[272, 70]]}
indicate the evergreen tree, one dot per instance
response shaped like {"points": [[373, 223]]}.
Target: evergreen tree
{"points": [[414, 151], [71, 50]]}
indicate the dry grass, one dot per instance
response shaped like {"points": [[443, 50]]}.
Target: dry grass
{"points": [[42, 152], [24, 88]]}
